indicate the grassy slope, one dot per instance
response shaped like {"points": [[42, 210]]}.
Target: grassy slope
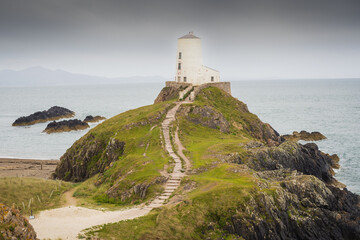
{"points": [[32, 193], [220, 187], [133, 167]]}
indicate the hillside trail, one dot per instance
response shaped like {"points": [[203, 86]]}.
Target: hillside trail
{"points": [[68, 221]]}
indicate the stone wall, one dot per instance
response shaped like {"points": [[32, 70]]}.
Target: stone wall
{"points": [[225, 86], [176, 84]]}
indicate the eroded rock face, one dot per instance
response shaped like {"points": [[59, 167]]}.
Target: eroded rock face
{"points": [[13, 225], [169, 93], [304, 135], [90, 118], [66, 126], [307, 159], [305, 208], [53, 113], [85, 160]]}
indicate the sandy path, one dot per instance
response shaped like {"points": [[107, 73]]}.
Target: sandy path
{"points": [[67, 222]]}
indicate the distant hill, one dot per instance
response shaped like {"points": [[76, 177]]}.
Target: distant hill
{"points": [[39, 76]]}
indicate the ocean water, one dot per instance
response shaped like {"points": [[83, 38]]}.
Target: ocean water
{"points": [[331, 107]]}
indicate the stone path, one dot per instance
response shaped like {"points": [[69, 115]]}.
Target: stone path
{"points": [[175, 177], [67, 222]]}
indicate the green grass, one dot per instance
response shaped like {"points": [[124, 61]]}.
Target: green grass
{"points": [[138, 128], [130, 229], [204, 144], [32, 193]]}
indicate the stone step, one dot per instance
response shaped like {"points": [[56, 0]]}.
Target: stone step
{"points": [[163, 197]]}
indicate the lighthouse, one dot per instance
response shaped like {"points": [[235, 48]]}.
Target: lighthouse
{"points": [[189, 62]]}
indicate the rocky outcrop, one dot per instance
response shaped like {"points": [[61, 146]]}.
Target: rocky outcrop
{"points": [[304, 208], [89, 157], [304, 135], [206, 116], [307, 159], [170, 92], [66, 126], [13, 225], [53, 113], [90, 119]]}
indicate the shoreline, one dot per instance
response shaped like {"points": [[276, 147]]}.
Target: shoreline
{"points": [[19, 167]]}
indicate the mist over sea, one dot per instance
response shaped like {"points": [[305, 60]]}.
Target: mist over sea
{"points": [[331, 107]]}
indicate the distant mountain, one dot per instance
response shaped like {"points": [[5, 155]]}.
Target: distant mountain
{"points": [[39, 76]]}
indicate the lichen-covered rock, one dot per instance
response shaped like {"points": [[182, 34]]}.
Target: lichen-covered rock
{"points": [[66, 126], [53, 113], [91, 118], [13, 225]]}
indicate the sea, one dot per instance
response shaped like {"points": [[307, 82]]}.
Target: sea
{"points": [[330, 106]]}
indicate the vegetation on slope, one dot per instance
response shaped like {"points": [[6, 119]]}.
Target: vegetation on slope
{"points": [[31, 193], [120, 160], [245, 183]]}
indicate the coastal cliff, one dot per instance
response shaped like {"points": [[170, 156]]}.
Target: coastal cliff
{"points": [[246, 181]]}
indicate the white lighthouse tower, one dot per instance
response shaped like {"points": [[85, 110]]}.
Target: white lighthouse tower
{"points": [[189, 63]]}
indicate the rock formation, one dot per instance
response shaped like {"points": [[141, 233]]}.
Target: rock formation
{"points": [[66, 126], [304, 135], [90, 118], [53, 113], [13, 225]]}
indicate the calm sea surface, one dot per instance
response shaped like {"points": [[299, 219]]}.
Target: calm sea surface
{"points": [[329, 106]]}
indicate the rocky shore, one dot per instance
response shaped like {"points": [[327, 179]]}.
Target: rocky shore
{"points": [[91, 119], [304, 135], [53, 113], [66, 126]]}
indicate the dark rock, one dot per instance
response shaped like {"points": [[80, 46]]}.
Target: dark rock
{"points": [[90, 118], [92, 156], [306, 159], [53, 113], [66, 126], [305, 208], [304, 135], [13, 225]]}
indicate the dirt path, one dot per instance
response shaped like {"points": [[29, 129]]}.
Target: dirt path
{"points": [[68, 221], [69, 199]]}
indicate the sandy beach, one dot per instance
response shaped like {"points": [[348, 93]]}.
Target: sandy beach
{"points": [[10, 167]]}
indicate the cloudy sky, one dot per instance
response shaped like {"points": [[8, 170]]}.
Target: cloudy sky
{"points": [[267, 39]]}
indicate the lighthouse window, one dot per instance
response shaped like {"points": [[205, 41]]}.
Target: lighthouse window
{"points": [[179, 78], [179, 66], [212, 78], [184, 79], [179, 55]]}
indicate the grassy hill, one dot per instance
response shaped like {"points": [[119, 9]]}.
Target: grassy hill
{"points": [[245, 183]]}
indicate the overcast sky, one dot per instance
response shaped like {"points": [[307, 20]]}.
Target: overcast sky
{"points": [[282, 39]]}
